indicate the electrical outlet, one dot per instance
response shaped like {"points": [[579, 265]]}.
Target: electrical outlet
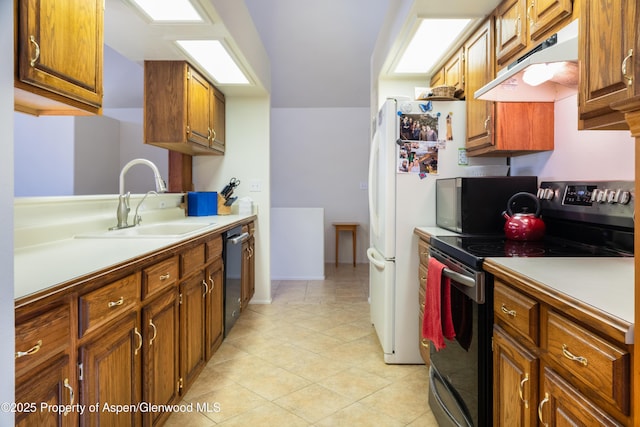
{"points": [[162, 204], [255, 185]]}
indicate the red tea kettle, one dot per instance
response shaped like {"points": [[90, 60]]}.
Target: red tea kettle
{"points": [[523, 226]]}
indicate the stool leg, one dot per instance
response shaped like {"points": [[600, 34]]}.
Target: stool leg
{"points": [[337, 238], [353, 236]]}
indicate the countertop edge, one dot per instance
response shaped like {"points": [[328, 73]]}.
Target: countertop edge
{"points": [[595, 318]]}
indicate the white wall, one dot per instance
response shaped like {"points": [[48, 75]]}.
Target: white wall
{"points": [[580, 155], [59, 156], [139, 178], [319, 158], [7, 334], [95, 155], [247, 156], [44, 155]]}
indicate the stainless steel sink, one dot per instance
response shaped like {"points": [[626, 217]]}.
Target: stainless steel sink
{"points": [[161, 230]]}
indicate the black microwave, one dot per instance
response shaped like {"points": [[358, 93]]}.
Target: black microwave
{"points": [[474, 205]]}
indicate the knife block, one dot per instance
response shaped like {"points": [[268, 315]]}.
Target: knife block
{"points": [[222, 209]]}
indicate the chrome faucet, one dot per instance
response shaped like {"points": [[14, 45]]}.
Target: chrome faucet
{"points": [[122, 213]]}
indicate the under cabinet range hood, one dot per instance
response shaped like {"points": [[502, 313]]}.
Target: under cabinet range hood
{"points": [[547, 73]]}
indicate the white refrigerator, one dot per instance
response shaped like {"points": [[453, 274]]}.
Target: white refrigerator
{"points": [[414, 143]]}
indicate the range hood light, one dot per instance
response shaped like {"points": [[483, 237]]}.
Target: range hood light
{"points": [[537, 74]]}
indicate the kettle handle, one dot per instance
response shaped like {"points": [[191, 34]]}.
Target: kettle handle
{"points": [[520, 194]]}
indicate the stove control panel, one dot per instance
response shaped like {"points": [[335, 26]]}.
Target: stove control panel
{"points": [[583, 201]]}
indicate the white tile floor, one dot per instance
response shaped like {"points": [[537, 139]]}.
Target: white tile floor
{"points": [[311, 358]]}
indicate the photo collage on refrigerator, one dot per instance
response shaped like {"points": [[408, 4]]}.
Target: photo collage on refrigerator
{"points": [[421, 137]]}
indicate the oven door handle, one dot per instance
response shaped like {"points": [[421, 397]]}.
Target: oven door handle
{"points": [[460, 278]]}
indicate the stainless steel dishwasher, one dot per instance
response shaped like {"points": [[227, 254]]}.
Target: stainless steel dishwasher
{"points": [[232, 255]]}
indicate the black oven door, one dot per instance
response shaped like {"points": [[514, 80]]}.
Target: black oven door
{"points": [[460, 391]]}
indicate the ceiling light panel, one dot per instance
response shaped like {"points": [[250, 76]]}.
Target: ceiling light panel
{"points": [[429, 43], [169, 10], [215, 60]]}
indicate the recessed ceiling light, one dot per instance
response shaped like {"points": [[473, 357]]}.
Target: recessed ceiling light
{"points": [[169, 10], [215, 59], [429, 43]]}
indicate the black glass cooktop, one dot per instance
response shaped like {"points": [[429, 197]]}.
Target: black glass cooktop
{"points": [[473, 249]]}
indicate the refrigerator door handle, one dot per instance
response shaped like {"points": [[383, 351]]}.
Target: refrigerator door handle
{"points": [[373, 159], [371, 254]]}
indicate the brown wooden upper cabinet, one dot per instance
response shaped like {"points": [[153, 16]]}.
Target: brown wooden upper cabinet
{"points": [[609, 70], [183, 111], [451, 74], [523, 24], [500, 128], [59, 56]]}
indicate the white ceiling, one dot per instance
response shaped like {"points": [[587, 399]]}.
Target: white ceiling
{"points": [[319, 51]]}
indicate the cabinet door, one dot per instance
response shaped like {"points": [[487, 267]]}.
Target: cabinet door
{"points": [[478, 72], [438, 78], [110, 374], [515, 382], [454, 71], [562, 405], [192, 318], [60, 47], [248, 272], [215, 308], [198, 98], [511, 29], [50, 386], [606, 41], [217, 120], [543, 14], [160, 375]]}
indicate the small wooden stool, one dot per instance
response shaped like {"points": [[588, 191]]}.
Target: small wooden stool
{"points": [[346, 226]]}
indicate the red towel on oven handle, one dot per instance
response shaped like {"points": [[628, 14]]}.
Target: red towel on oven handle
{"points": [[437, 323]]}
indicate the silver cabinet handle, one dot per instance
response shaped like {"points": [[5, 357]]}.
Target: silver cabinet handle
{"points": [[213, 283], [35, 58], [521, 390], [545, 400], [72, 397], [580, 359], [165, 276], [155, 332], [531, 21], [31, 351], [135, 331], [626, 59], [112, 304]]}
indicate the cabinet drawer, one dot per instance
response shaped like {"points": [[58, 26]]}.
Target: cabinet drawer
{"points": [[159, 276], [192, 260], [41, 337], [214, 248], [516, 311], [423, 252], [106, 303], [601, 366]]}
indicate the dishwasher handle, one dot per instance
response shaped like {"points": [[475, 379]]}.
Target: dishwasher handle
{"points": [[238, 238]]}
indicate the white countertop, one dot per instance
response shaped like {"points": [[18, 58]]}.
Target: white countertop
{"points": [[46, 265]]}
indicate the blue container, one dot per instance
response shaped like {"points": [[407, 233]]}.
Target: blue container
{"points": [[202, 203]]}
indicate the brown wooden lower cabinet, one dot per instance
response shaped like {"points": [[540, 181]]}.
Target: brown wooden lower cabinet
{"points": [[214, 306], [52, 386], [110, 374], [192, 322], [550, 369], [161, 373], [423, 255], [142, 335]]}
